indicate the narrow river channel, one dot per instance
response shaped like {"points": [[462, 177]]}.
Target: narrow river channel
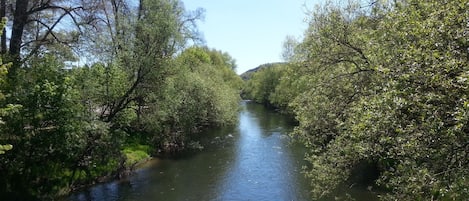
{"points": [[253, 160]]}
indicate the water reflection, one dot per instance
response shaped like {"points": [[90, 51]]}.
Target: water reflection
{"points": [[255, 162], [265, 167]]}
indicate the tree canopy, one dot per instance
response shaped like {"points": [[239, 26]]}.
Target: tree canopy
{"points": [[382, 85], [86, 86], [138, 87]]}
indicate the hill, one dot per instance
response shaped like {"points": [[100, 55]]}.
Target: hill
{"points": [[247, 75]]}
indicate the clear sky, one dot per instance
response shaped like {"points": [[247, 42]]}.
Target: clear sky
{"points": [[251, 31]]}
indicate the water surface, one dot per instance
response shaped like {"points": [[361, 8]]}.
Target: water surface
{"points": [[253, 160]]}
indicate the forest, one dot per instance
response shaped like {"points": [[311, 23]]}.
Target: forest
{"points": [[381, 84], [91, 87]]}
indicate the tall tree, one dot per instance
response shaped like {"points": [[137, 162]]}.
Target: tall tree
{"points": [[152, 47], [3, 40], [38, 24], [384, 85], [200, 91], [7, 110]]}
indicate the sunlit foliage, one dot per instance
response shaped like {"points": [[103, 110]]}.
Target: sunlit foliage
{"points": [[383, 85], [65, 126]]}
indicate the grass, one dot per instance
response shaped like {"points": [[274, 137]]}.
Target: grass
{"points": [[135, 153]]}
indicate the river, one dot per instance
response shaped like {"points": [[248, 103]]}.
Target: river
{"points": [[254, 160]]}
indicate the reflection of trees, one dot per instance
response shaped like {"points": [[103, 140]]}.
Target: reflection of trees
{"points": [[269, 120]]}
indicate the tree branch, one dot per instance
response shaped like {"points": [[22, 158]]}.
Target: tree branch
{"points": [[49, 32]]}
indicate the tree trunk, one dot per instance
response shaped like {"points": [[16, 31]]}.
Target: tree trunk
{"points": [[4, 34], [20, 17]]}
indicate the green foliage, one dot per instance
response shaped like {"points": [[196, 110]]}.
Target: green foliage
{"points": [[53, 130], [427, 93], [4, 148], [70, 127], [199, 93], [41, 126], [135, 153], [386, 85], [292, 83], [261, 86], [9, 108]]}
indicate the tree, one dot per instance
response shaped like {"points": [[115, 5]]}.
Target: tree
{"points": [[4, 111], [44, 128], [293, 82], [426, 93], [261, 86], [36, 27], [152, 48], [385, 87], [199, 93], [8, 109], [71, 126], [289, 47]]}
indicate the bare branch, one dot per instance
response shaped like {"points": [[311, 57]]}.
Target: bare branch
{"points": [[49, 32]]}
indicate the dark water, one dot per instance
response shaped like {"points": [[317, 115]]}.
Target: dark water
{"points": [[253, 160]]}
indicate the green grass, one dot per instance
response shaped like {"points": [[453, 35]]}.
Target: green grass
{"points": [[135, 153]]}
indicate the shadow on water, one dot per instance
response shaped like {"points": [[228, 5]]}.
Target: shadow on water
{"points": [[253, 160]]}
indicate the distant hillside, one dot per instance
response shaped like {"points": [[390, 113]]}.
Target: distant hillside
{"points": [[247, 75]]}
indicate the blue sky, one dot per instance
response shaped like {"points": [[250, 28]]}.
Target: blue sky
{"points": [[251, 31]]}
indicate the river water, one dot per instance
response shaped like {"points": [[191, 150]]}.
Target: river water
{"points": [[252, 161]]}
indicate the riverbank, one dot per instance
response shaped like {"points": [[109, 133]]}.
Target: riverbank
{"points": [[253, 160], [136, 155]]}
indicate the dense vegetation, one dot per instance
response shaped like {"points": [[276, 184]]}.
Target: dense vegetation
{"points": [[382, 85], [142, 91], [261, 83]]}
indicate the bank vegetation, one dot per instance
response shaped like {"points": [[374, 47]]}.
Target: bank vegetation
{"points": [[90, 87], [381, 84]]}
